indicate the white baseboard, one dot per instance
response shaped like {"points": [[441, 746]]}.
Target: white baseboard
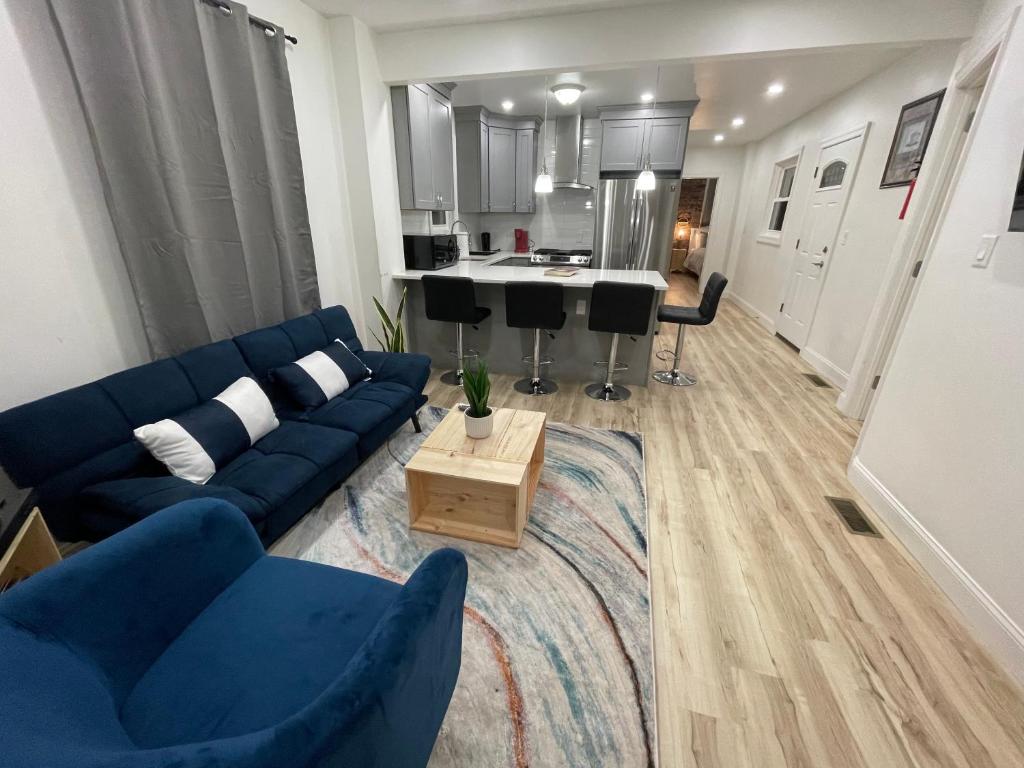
{"points": [[751, 310], [835, 375], [989, 623]]}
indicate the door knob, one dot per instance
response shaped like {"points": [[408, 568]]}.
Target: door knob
{"points": [[818, 263]]}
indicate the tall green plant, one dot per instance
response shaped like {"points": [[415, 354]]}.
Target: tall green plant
{"points": [[477, 386], [394, 334]]}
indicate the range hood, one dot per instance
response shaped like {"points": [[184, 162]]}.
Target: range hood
{"points": [[569, 153]]}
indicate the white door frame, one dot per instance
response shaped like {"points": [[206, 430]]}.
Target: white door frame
{"points": [[862, 133], [939, 174]]}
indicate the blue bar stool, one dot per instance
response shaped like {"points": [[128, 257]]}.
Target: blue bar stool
{"points": [[618, 308], [684, 316], [538, 306], [453, 300]]}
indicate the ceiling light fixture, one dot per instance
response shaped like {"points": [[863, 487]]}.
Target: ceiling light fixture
{"points": [[646, 96], [645, 182], [567, 93], [738, 122], [543, 184], [775, 89], [719, 137], [507, 105]]}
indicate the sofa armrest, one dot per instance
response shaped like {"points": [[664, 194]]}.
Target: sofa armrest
{"points": [[120, 603], [406, 368], [386, 707]]}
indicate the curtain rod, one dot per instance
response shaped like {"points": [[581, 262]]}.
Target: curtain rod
{"points": [[265, 25]]}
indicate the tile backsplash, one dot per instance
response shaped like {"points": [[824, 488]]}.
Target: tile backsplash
{"points": [[564, 219]]}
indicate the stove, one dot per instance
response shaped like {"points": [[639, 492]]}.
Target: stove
{"points": [[557, 257]]}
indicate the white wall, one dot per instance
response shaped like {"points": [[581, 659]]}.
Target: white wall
{"points": [[364, 119], [695, 29], [725, 164], [67, 312], [941, 452], [871, 223]]}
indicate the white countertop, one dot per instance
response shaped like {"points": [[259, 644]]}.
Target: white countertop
{"points": [[482, 272]]}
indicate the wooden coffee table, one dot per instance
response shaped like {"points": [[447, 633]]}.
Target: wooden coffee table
{"points": [[477, 489]]}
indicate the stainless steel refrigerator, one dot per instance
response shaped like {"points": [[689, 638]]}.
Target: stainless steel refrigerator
{"points": [[634, 229]]}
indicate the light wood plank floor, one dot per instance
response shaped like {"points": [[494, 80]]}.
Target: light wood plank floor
{"points": [[781, 639]]}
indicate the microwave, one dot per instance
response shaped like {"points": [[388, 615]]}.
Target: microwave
{"points": [[430, 251]]}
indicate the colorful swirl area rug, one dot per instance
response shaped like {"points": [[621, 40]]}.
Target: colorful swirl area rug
{"points": [[556, 660]]}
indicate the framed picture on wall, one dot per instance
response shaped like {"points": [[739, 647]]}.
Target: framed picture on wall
{"points": [[910, 141], [1017, 214]]}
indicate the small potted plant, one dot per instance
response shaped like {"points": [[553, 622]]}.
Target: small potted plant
{"points": [[477, 386]]}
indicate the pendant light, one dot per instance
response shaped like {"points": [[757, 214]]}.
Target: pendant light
{"points": [[543, 185], [645, 182]]}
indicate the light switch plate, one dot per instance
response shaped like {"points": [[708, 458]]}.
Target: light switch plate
{"points": [[581, 306], [984, 253]]}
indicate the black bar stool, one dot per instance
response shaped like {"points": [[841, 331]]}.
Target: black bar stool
{"points": [[684, 316], [618, 308], [538, 306], [453, 300]]}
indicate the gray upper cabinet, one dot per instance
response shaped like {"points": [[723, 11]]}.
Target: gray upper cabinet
{"points": [[665, 143], [441, 151], [526, 164], [501, 155], [423, 147], [497, 161], [631, 134], [471, 146], [621, 144]]}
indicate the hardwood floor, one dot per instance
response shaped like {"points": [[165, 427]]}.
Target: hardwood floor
{"points": [[780, 638]]}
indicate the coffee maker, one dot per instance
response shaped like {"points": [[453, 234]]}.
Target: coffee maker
{"points": [[522, 241]]}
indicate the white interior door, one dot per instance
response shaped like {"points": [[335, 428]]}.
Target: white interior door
{"points": [[830, 188]]}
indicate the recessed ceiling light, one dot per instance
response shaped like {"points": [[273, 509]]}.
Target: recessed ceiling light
{"points": [[567, 93], [719, 137], [737, 122], [507, 105], [775, 89], [648, 96]]}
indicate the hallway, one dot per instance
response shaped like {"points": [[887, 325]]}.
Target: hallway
{"points": [[780, 638]]}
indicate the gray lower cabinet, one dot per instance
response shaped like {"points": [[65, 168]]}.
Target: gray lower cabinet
{"points": [[501, 156], [422, 118], [526, 169]]}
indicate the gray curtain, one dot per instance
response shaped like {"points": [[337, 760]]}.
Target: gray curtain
{"points": [[191, 114]]}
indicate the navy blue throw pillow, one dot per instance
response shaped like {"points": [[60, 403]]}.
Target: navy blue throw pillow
{"points": [[316, 378]]}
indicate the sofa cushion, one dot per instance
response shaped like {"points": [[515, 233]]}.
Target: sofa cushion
{"points": [[285, 460], [322, 375], [338, 325], [195, 443], [212, 367], [295, 640], [54, 434], [131, 499], [364, 406], [151, 392]]}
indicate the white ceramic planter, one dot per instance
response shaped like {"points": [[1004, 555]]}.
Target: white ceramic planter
{"points": [[480, 428]]}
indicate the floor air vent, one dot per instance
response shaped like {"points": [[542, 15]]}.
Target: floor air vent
{"points": [[848, 510], [817, 381]]}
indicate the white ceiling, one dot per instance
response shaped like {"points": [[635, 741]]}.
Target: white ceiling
{"points": [[727, 88], [412, 14], [616, 86]]}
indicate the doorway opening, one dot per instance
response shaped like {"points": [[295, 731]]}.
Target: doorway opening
{"points": [[693, 224]]}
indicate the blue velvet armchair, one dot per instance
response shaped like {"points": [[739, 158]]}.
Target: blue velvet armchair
{"points": [[179, 642]]}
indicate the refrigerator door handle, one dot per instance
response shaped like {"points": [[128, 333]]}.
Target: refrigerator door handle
{"points": [[636, 233]]}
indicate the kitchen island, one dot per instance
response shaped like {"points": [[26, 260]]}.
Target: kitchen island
{"points": [[574, 348]]}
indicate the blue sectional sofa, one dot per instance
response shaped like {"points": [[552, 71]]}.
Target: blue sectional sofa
{"points": [[179, 644], [92, 478]]}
